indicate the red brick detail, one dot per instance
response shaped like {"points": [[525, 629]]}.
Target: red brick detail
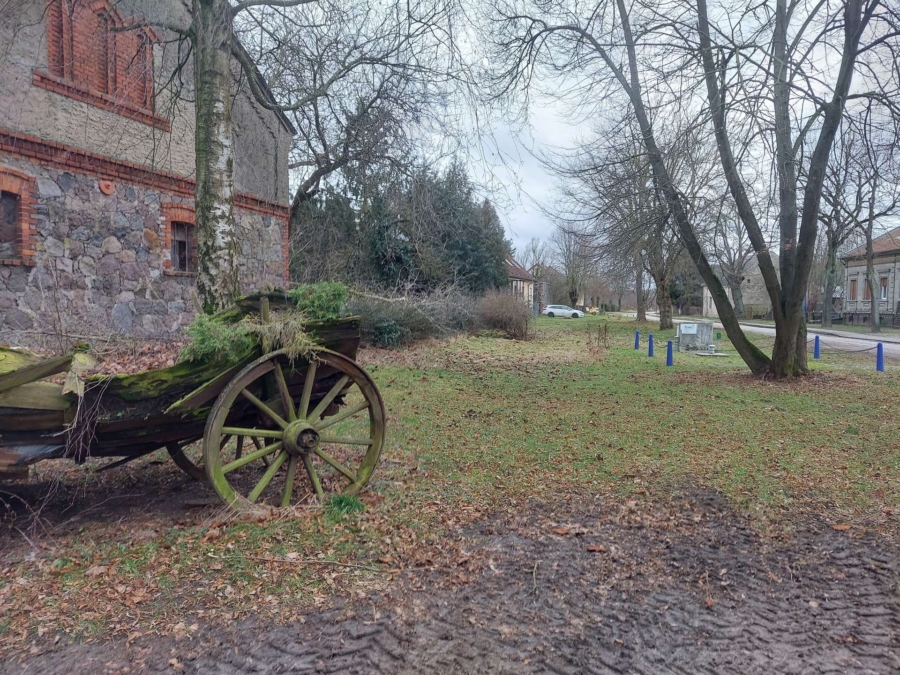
{"points": [[56, 155], [99, 100], [175, 213], [94, 63], [25, 186]]}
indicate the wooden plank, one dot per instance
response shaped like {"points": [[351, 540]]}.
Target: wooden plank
{"points": [[36, 396], [33, 371], [13, 359], [31, 422]]}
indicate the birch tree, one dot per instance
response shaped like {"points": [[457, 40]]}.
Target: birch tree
{"points": [[345, 126]]}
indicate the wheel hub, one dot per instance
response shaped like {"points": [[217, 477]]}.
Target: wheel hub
{"points": [[300, 438]]}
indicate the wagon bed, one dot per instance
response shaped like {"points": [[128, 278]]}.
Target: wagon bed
{"points": [[279, 404]]}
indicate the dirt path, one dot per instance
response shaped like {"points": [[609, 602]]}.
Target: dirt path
{"points": [[589, 586]]}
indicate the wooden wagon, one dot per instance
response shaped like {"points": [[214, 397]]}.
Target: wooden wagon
{"points": [[272, 430]]}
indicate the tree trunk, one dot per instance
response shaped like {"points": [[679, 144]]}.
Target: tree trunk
{"points": [[871, 279], [874, 291], [664, 300], [738, 296], [830, 271], [639, 290], [217, 279]]}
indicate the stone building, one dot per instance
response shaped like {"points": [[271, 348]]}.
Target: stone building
{"points": [[97, 164], [857, 295]]}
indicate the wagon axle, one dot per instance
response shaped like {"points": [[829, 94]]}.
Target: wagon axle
{"points": [[300, 438]]}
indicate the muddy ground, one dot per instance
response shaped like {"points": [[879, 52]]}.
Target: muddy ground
{"points": [[588, 585]]}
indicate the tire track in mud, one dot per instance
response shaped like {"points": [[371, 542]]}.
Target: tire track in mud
{"points": [[683, 588]]}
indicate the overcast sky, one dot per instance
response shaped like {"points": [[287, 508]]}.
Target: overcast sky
{"points": [[513, 156]]}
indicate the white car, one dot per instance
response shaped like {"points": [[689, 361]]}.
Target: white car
{"points": [[562, 310]]}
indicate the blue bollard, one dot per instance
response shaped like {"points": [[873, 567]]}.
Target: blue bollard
{"points": [[650, 345], [670, 361], [879, 358], [637, 339], [817, 352]]}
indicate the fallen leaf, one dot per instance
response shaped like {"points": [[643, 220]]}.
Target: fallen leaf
{"points": [[842, 527], [596, 549], [96, 571], [813, 604], [561, 530]]}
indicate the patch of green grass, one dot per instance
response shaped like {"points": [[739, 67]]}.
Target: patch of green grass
{"points": [[338, 506]]}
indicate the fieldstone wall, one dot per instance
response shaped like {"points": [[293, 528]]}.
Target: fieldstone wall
{"points": [[99, 260]]}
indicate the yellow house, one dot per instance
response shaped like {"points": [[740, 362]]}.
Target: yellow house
{"points": [[521, 283]]}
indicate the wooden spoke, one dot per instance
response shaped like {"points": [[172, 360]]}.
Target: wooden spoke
{"points": [[346, 440], [267, 478], [336, 464], [329, 397], [254, 434], [275, 417], [357, 430], [307, 390], [289, 482], [340, 417], [313, 478], [251, 456], [285, 394]]}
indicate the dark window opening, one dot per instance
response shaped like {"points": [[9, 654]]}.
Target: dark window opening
{"points": [[9, 224], [184, 248]]}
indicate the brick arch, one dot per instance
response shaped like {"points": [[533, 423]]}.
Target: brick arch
{"points": [[25, 187]]}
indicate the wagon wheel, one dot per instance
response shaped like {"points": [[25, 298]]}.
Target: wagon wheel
{"points": [[235, 445], [332, 426]]}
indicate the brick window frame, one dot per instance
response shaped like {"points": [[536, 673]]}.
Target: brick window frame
{"points": [[25, 187], [118, 89], [175, 213]]}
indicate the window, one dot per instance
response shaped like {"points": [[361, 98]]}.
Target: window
{"points": [[17, 202], [868, 290], [884, 288], [184, 247], [10, 206], [93, 60], [853, 295]]}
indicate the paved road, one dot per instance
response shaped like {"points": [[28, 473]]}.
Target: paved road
{"points": [[830, 340]]}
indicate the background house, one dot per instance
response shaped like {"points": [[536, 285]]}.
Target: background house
{"points": [[97, 164], [521, 283], [857, 296], [757, 304]]}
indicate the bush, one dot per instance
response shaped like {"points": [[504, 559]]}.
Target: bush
{"points": [[321, 301], [505, 313], [212, 339], [389, 333], [393, 320]]}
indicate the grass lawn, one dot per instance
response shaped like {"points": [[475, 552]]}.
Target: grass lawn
{"points": [[479, 424]]}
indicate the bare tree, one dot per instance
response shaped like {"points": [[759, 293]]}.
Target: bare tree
{"points": [[732, 250], [774, 75], [535, 255], [571, 250]]}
